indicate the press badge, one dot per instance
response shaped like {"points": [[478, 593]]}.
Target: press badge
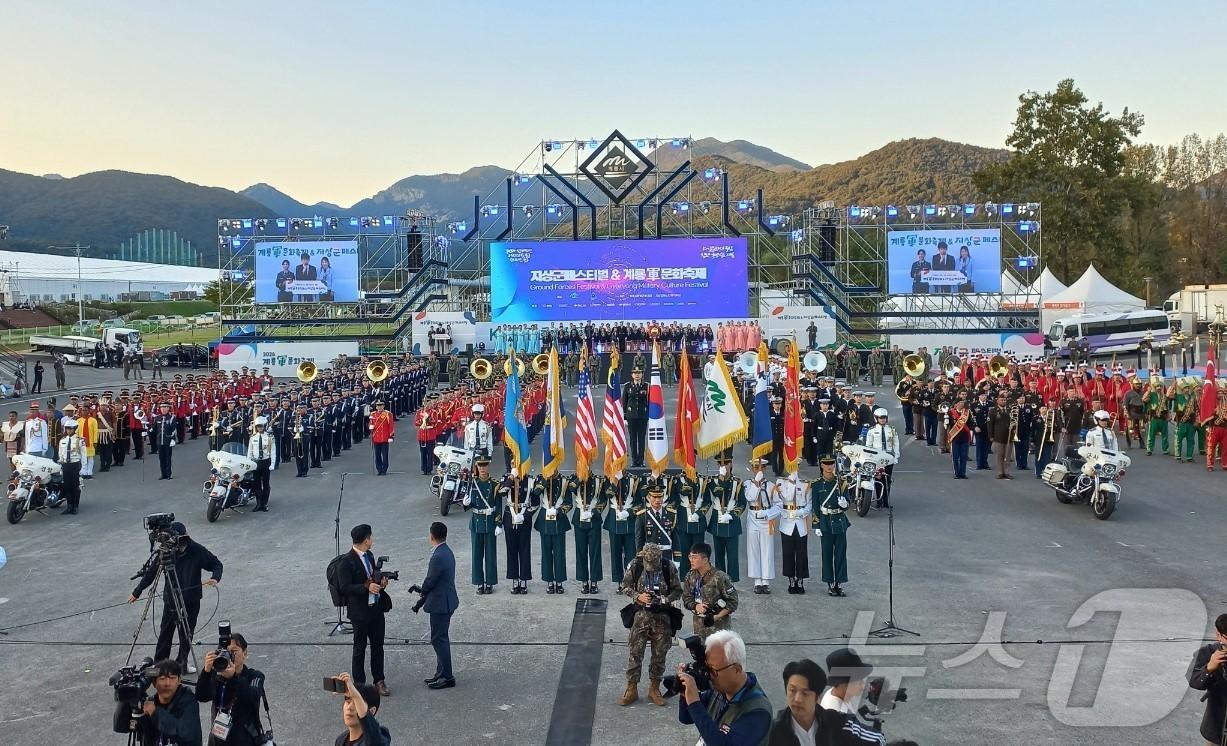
{"points": [[221, 725]]}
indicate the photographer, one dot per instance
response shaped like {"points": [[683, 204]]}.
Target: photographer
{"points": [[366, 601], [804, 723], [171, 716], [652, 582], [735, 711], [235, 691], [1208, 673], [708, 593], [191, 559], [358, 711]]}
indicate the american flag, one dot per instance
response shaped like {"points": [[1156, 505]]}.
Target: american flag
{"points": [[585, 421], [613, 421]]}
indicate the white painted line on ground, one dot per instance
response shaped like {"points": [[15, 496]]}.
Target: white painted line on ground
{"points": [[1054, 545]]}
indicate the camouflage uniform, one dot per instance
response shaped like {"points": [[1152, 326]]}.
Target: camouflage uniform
{"points": [[649, 573], [708, 589]]}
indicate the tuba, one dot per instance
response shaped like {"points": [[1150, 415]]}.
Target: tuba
{"points": [[306, 371], [914, 365], [951, 366], [507, 367], [480, 369], [815, 361], [747, 363], [541, 364], [998, 366], [376, 371]]}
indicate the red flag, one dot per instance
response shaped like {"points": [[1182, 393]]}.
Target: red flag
{"points": [[794, 426], [1209, 391], [687, 420]]}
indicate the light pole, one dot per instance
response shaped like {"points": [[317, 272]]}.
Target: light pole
{"points": [[1147, 281], [76, 249]]}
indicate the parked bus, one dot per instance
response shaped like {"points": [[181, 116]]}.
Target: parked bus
{"points": [[1108, 333]]}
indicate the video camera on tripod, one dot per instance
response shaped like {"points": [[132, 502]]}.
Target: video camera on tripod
{"points": [[131, 685], [161, 533]]}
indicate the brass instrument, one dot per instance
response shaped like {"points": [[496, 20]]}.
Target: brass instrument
{"points": [[507, 367], [914, 366], [747, 362], [1014, 424], [307, 371], [481, 369], [998, 366], [952, 366], [1049, 433], [815, 361], [541, 364], [213, 421], [376, 371], [899, 389]]}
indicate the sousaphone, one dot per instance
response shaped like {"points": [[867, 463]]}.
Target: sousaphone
{"points": [[914, 366], [814, 361]]}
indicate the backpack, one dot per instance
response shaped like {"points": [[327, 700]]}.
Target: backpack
{"points": [[333, 574]]}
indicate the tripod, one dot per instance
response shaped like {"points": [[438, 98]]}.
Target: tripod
{"points": [[890, 629], [340, 625], [163, 556]]}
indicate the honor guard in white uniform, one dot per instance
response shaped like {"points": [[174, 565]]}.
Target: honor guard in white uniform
{"points": [[883, 437], [477, 432], [761, 513], [1101, 436], [792, 500]]}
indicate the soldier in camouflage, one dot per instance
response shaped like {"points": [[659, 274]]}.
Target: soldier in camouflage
{"points": [[707, 591], [653, 584]]}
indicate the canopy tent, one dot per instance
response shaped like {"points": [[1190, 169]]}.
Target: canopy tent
{"points": [[1090, 293], [1047, 284]]}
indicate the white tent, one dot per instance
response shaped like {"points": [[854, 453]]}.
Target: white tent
{"points": [[1047, 284], [1011, 286], [1090, 293]]}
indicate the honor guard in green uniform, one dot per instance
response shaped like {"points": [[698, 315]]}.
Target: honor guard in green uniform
{"points": [[483, 499], [708, 593], [1184, 411], [553, 523], [570, 367], [655, 523], [453, 371], [589, 503], [653, 585], [668, 368], [726, 502], [876, 364], [619, 494], [435, 367], [831, 525], [691, 517], [1156, 412]]}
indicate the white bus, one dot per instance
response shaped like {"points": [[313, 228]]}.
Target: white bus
{"points": [[1108, 333]]}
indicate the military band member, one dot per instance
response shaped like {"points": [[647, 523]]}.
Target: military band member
{"points": [[724, 496], [653, 585], [300, 439], [831, 525], [692, 518], [792, 501], [1044, 436], [619, 494], [282, 428], [518, 506], [1156, 412], [586, 495], [553, 522], [655, 523], [708, 593], [979, 425], [1024, 414], [761, 510], [485, 500]]}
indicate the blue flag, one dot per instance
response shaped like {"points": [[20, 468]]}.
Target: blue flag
{"points": [[760, 428], [515, 431]]}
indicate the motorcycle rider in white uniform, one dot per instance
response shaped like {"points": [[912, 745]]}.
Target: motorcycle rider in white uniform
{"points": [[1101, 436], [882, 437], [477, 433]]}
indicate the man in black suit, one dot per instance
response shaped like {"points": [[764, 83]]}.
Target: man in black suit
{"points": [[635, 405], [366, 602], [305, 271], [439, 599], [943, 262], [163, 437], [286, 275]]}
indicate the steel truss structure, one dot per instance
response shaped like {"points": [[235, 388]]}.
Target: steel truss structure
{"points": [[550, 196], [840, 262], [390, 284]]}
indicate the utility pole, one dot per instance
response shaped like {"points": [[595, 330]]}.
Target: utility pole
{"points": [[1147, 280], [76, 248]]}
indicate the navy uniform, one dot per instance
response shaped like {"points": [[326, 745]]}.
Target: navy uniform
{"points": [[1022, 444], [618, 494], [553, 523], [656, 526], [300, 439], [692, 518], [635, 405], [979, 416], [831, 524], [518, 506], [724, 497], [486, 502], [587, 497], [794, 503]]}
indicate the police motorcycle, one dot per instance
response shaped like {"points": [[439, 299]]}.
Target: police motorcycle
{"points": [[1092, 476], [230, 484], [452, 477], [866, 468], [37, 484]]}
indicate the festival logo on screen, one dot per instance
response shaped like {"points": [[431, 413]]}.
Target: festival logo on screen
{"points": [[616, 167]]}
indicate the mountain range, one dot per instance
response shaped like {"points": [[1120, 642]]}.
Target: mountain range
{"points": [[105, 208]]}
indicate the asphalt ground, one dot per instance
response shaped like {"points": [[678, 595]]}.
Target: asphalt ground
{"points": [[1118, 605]]}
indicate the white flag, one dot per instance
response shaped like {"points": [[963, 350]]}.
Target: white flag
{"points": [[722, 420], [658, 435]]}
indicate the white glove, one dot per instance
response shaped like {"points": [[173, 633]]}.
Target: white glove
{"points": [[172, 442], [467, 501], [760, 514], [551, 512], [692, 518], [843, 502], [622, 515], [517, 518], [817, 531], [726, 517], [585, 515]]}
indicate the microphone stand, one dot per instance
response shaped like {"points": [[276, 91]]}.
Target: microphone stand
{"points": [[340, 625], [890, 629]]}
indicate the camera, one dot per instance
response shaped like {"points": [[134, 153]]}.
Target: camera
{"points": [[417, 605], [697, 668], [382, 573], [159, 527], [223, 657], [709, 619], [131, 682], [335, 685]]}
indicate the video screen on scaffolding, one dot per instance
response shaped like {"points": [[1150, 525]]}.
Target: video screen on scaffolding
{"points": [[670, 278], [306, 271], [944, 261]]}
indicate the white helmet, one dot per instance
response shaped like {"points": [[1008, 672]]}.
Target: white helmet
{"points": [[880, 412], [1102, 415], [261, 420]]}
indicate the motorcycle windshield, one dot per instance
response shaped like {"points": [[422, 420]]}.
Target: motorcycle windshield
{"points": [[238, 449]]}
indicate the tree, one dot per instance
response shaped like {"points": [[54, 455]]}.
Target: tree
{"points": [[1195, 172], [1070, 157], [219, 292]]}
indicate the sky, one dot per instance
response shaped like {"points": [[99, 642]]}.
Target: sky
{"points": [[338, 100]]}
